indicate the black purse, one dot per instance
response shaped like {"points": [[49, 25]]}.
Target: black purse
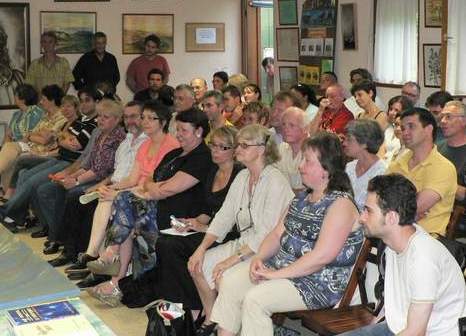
{"points": [[164, 319]]}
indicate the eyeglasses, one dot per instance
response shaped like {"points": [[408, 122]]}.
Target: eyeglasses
{"points": [[215, 146], [450, 116], [244, 145]]}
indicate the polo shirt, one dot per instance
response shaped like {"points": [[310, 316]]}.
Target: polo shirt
{"points": [[335, 122], [140, 67], [209, 135], [40, 75], [435, 173]]}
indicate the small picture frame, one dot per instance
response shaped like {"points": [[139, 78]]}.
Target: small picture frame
{"points": [[74, 30], [287, 44], [432, 65], [287, 12], [288, 76], [348, 26], [433, 13], [137, 26], [205, 37]]}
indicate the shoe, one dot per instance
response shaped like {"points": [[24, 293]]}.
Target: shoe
{"points": [[113, 299], [81, 263], [40, 233], [52, 248], [78, 275], [206, 329], [88, 198], [100, 266], [28, 223], [10, 225], [92, 280], [61, 260], [47, 243]]}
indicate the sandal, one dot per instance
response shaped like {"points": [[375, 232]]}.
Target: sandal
{"points": [[101, 266], [112, 299]]}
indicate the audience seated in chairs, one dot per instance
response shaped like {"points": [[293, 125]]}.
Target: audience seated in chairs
{"points": [[40, 139], [170, 278], [433, 175], [424, 287], [363, 139], [306, 260], [254, 203], [50, 198], [177, 191]]}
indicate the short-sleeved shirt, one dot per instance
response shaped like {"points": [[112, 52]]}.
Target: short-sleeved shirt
{"points": [[147, 164], [54, 124], [140, 67], [23, 122], [359, 183], [125, 156], [335, 122], [90, 69], [288, 165], [425, 272], [435, 173], [40, 75], [188, 203]]}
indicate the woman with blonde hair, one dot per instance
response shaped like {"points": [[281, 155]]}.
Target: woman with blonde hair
{"points": [[257, 197]]}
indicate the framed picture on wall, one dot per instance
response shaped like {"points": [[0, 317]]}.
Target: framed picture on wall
{"points": [[433, 13], [14, 49], [287, 12], [205, 37], [74, 30], [348, 26], [432, 65], [137, 26], [287, 44], [81, 0], [288, 77]]}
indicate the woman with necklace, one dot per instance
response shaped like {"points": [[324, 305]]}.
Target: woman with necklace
{"points": [[257, 197], [306, 260]]}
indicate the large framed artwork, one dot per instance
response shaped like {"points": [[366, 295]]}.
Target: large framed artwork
{"points": [[433, 13], [432, 65], [74, 30], [14, 50], [137, 26], [287, 44]]}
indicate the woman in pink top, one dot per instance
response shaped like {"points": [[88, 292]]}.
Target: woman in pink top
{"points": [[155, 121]]}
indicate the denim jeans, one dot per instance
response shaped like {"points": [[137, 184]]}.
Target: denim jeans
{"points": [[28, 182], [379, 329]]}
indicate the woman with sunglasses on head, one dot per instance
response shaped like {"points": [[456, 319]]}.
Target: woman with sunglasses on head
{"points": [[306, 260], [170, 279], [257, 197]]}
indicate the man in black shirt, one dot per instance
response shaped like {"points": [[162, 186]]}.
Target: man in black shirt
{"points": [[157, 90], [96, 65]]}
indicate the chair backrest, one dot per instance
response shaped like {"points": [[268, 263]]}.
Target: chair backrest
{"points": [[356, 274], [455, 219]]}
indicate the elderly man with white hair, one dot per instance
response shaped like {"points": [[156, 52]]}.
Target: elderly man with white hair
{"points": [[294, 128]]}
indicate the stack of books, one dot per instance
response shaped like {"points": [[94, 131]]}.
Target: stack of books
{"points": [[49, 319]]}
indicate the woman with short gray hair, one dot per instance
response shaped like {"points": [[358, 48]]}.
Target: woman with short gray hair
{"points": [[362, 142]]}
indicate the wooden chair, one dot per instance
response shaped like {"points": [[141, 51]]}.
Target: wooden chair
{"points": [[455, 219], [345, 317]]}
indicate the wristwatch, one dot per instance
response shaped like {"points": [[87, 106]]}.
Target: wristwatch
{"points": [[241, 256]]}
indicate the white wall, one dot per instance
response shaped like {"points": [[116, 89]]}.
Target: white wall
{"points": [[183, 65], [346, 60]]}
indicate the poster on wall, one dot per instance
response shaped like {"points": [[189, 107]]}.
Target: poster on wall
{"points": [[348, 26], [318, 30], [14, 49], [433, 13], [74, 30], [432, 65], [137, 26], [288, 77]]}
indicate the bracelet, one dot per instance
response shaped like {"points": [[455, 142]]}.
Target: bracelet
{"points": [[241, 256]]}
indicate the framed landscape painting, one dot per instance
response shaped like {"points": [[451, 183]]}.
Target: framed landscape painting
{"points": [[14, 49], [137, 26], [74, 30]]}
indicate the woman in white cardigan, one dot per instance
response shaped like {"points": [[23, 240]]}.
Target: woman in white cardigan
{"points": [[254, 203]]}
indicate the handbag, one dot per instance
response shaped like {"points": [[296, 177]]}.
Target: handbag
{"points": [[168, 319]]}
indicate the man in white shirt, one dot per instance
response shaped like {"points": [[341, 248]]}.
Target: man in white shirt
{"points": [[424, 287], [294, 131]]}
